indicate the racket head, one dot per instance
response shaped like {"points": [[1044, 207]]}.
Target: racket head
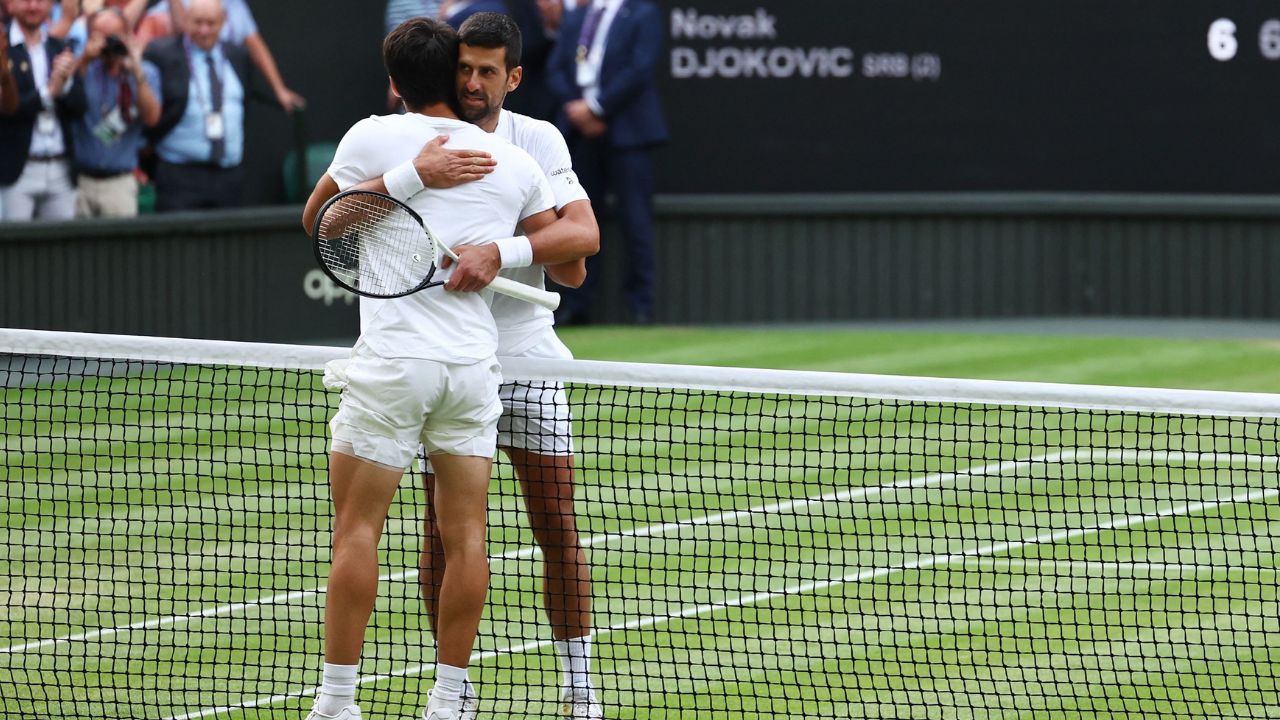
{"points": [[374, 245]]}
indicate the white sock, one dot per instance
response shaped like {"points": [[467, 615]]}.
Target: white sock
{"points": [[448, 688], [338, 688], [575, 659]]}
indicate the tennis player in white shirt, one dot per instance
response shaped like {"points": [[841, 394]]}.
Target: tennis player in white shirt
{"points": [[424, 370], [535, 429]]}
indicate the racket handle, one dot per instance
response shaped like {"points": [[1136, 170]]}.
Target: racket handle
{"points": [[528, 293]]}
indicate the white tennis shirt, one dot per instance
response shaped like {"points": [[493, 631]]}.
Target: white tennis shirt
{"points": [[435, 324], [520, 324]]}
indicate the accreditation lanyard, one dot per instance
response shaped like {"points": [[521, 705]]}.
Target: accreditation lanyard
{"points": [[115, 106], [591, 43], [213, 125]]}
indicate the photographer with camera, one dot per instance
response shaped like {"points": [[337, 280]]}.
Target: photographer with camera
{"points": [[123, 98]]}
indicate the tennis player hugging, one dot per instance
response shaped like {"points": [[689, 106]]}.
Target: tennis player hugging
{"points": [[424, 369]]}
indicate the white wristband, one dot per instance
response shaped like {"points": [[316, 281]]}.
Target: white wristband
{"points": [[402, 181], [516, 252]]}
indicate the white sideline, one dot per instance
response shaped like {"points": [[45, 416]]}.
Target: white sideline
{"points": [[1129, 456], [782, 382], [1120, 569], [812, 586], [531, 552]]}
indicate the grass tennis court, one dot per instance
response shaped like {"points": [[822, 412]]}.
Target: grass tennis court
{"points": [[753, 557], [1250, 365]]}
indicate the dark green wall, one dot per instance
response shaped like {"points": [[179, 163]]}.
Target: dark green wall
{"points": [[330, 52], [802, 258], [250, 274], [236, 275]]}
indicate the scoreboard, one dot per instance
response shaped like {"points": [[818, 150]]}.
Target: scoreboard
{"points": [[1159, 96]]}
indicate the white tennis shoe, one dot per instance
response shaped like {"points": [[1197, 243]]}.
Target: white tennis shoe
{"points": [[581, 705], [466, 710], [470, 702], [350, 712]]}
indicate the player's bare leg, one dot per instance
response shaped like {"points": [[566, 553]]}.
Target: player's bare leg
{"points": [[459, 500], [431, 564], [547, 484], [362, 493], [461, 495]]}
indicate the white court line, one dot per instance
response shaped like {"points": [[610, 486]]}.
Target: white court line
{"points": [[1117, 569], [531, 552], [931, 561]]}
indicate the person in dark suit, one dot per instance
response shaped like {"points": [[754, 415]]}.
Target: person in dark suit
{"points": [[199, 140], [602, 73], [35, 141]]}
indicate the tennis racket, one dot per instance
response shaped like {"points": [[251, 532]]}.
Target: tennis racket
{"points": [[378, 247]]}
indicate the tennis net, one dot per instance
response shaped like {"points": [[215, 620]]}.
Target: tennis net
{"points": [[761, 543]]}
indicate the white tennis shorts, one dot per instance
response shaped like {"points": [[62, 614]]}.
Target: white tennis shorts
{"points": [[535, 415], [391, 406]]}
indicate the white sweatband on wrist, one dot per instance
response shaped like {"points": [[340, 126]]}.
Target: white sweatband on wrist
{"points": [[516, 252], [402, 181]]}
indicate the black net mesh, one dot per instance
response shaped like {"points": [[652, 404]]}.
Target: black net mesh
{"points": [[164, 546]]}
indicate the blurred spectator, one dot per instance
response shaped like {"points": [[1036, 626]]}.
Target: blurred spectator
{"points": [[400, 10], [154, 24], [66, 24], [456, 12], [131, 10], [35, 141], [239, 28], [553, 11], [121, 89], [69, 19], [396, 13], [200, 137], [603, 74]]}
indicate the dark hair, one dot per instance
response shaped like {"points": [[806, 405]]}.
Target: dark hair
{"points": [[421, 56], [491, 30]]}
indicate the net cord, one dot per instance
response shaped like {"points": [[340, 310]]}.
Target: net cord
{"points": [[717, 379]]}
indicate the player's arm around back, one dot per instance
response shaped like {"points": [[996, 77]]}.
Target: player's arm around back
{"points": [[564, 246], [435, 166], [535, 222], [574, 235], [325, 188], [346, 169]]}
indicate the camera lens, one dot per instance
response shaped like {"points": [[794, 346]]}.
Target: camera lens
{"points": [[114, 46]]}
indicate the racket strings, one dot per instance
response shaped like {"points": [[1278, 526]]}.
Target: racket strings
{"points": [[375, 246]]}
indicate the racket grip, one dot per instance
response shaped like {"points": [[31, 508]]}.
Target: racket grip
{"points": [[528, 293]]}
